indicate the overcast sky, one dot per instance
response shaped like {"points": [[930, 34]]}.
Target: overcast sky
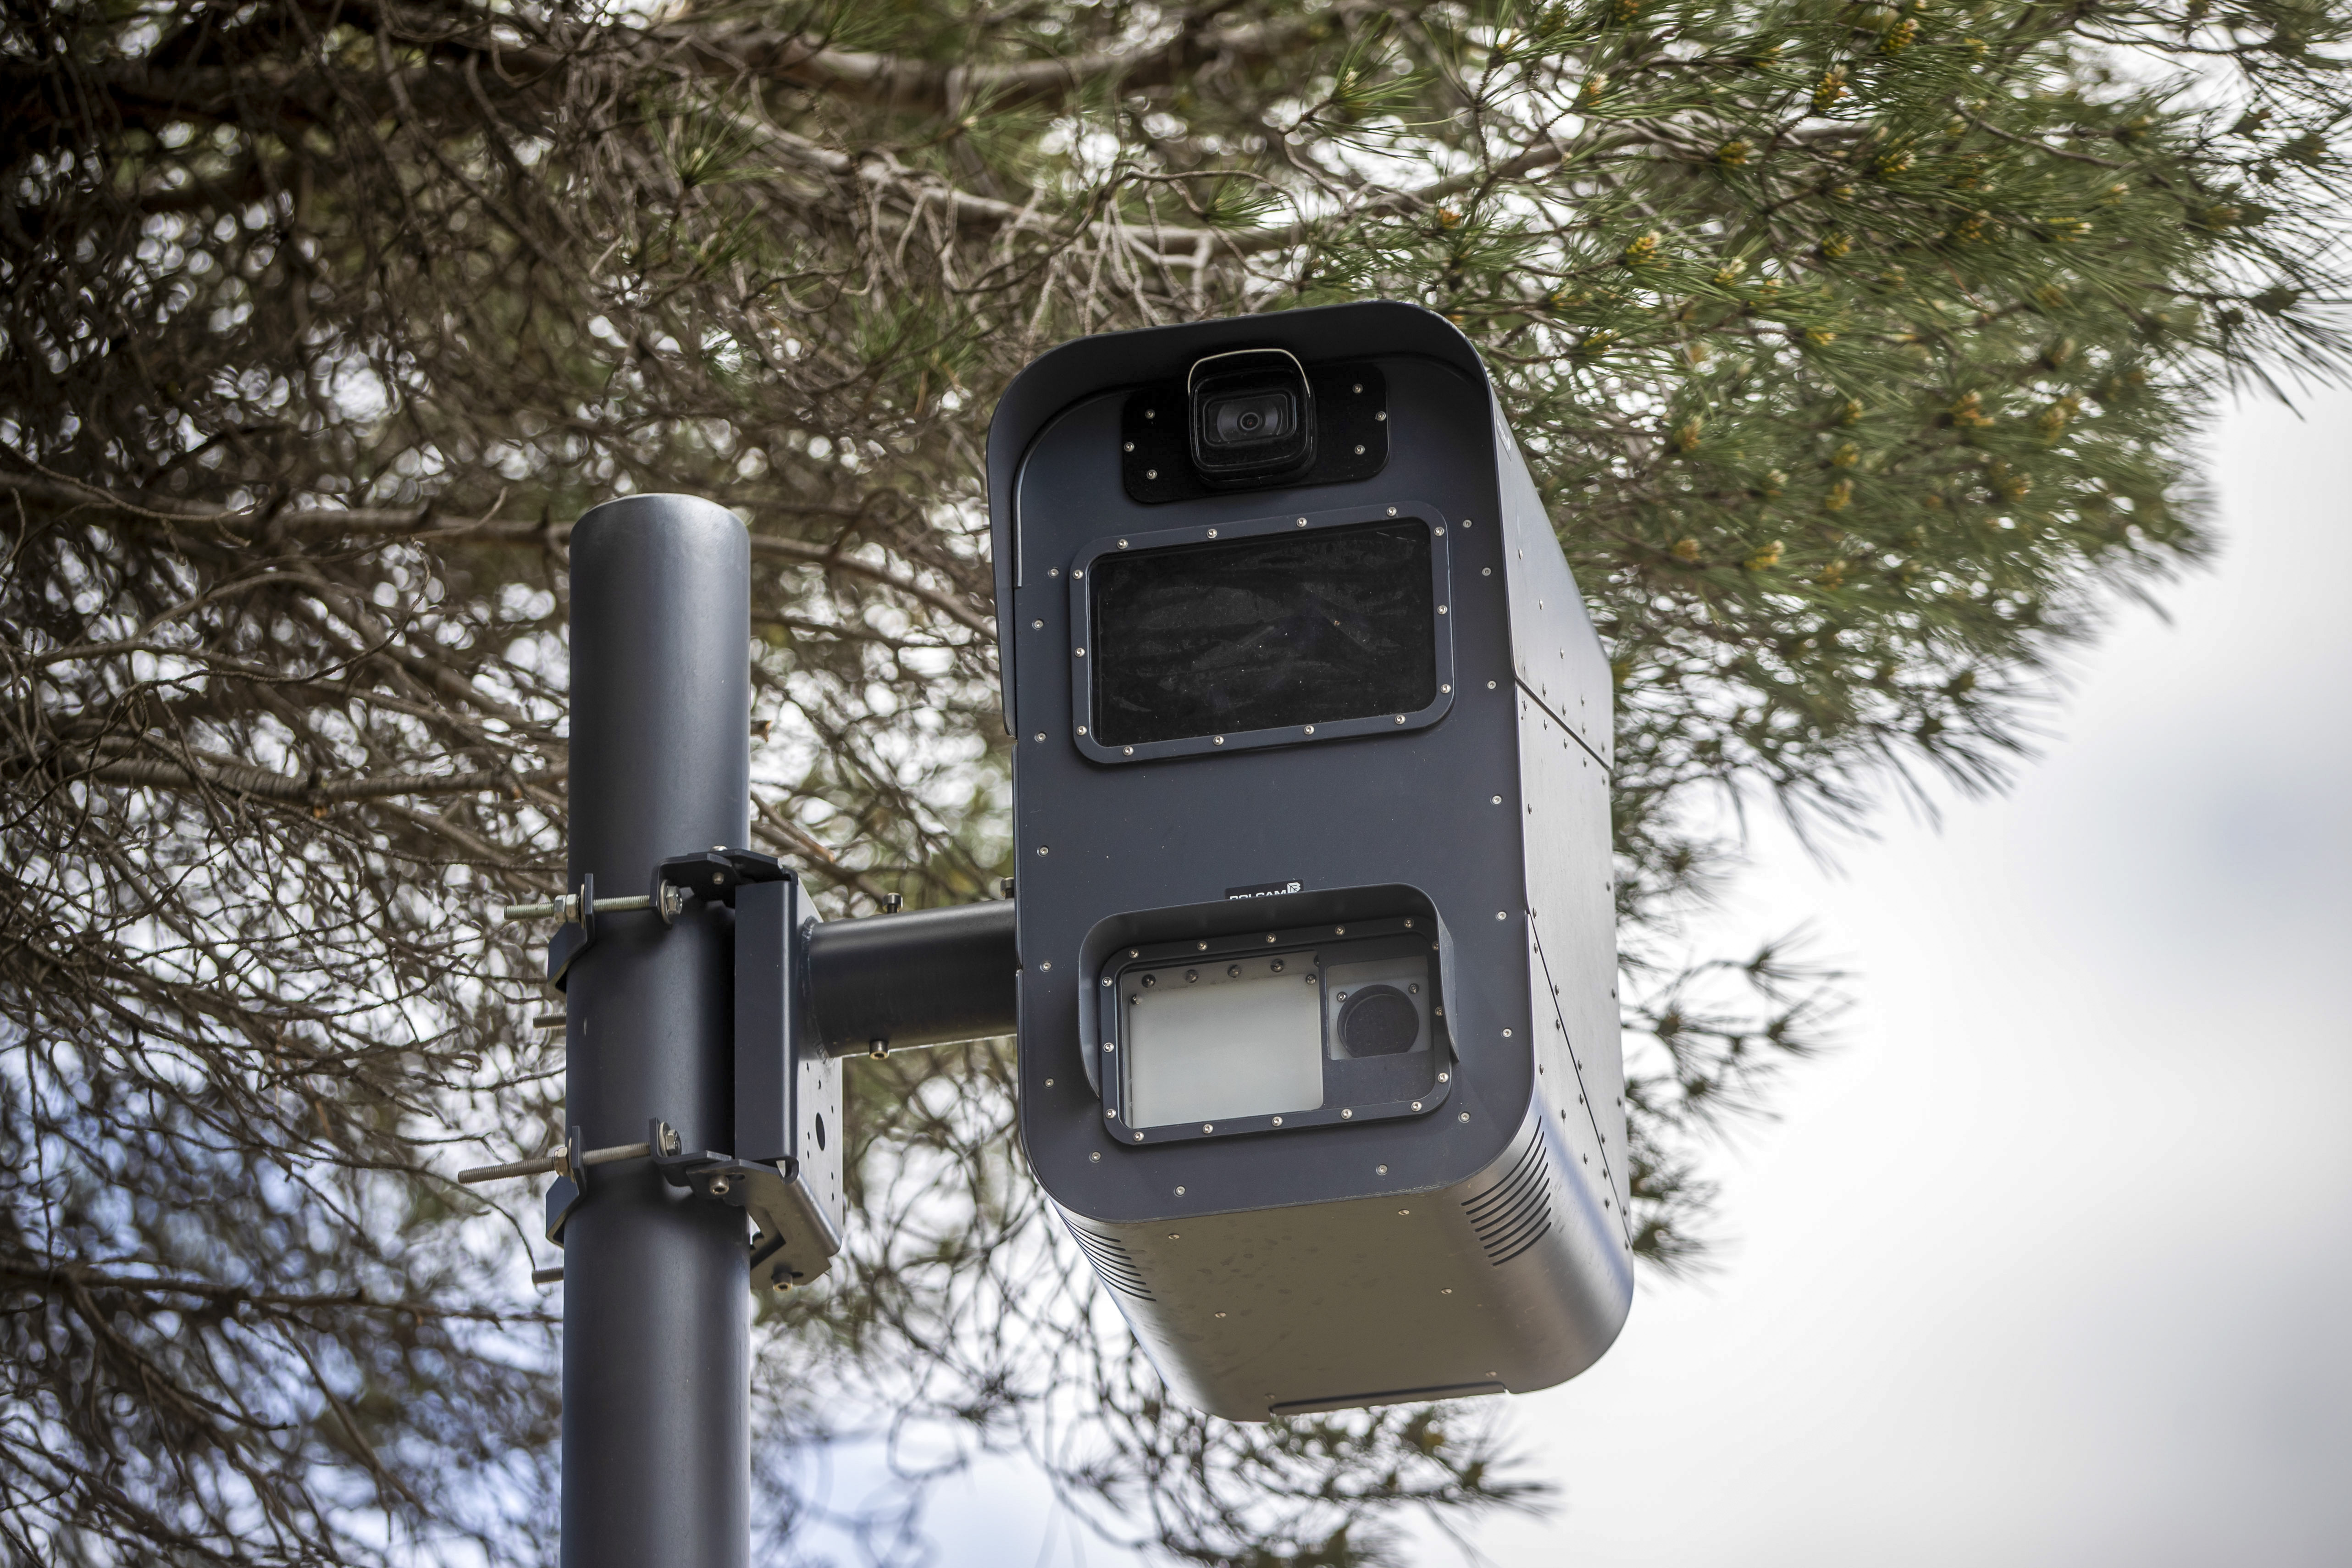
{"points": [[2051, 1263]]}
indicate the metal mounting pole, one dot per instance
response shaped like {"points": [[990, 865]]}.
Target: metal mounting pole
{"points": [[657, 1306]]}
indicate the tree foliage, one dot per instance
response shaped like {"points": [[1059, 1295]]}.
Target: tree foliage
{"points": [[1856, 348]]}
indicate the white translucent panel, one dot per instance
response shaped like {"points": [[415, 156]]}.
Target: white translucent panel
{"points": [[1217, 1047]]}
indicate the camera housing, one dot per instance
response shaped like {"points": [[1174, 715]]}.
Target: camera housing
{"points": [[1252, 417], [1353, 723]]}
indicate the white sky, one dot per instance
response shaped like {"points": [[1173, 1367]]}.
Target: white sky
{"points": [[2051, 1263]]}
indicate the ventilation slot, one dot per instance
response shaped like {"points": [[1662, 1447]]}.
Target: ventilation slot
{"points": [[1514, 1214], [1109, 1257]]}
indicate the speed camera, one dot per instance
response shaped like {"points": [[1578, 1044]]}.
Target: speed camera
{"points": [[1319, 1037]]}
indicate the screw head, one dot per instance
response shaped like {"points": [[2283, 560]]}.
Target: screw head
{"points": [[1347, 1116], [1463, 1116], [1380, 1169], [1096, 1156], [1277, 1121]]}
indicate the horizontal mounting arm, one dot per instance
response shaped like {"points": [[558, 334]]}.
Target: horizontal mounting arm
{"points": [[923, 978]]}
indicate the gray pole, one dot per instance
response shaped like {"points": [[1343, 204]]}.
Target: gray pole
{"points": [[656, 1303]]}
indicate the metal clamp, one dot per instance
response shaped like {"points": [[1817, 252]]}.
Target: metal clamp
{"points": [[796, 1239]]}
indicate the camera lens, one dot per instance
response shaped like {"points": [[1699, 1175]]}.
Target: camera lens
{"points": [[1252, 413], [1378, 1021], [1245, 421]]}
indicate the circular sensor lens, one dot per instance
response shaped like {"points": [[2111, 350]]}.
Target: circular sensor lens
{"points": [[1378, 1021]]}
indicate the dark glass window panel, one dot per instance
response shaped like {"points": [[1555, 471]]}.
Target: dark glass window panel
{"points": [[1263, 633]]}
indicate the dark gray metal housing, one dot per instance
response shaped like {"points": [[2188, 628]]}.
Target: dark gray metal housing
{"points": [[1464, 1233]]}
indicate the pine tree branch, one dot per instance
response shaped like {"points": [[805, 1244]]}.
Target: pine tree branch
{"points": [[422, 525]]}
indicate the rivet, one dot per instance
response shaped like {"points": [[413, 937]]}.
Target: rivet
{"points": [[1490, 686], [1502, 915], [1096, 1156], [1041, 735], [1448, 1290], [1465, 1116], [1498, 800], [1180, 1193], [1053, 572], [1347, 1116], [1277, 964], [1408, 922], [1232, 972], [1047, 964], [1037, 625], [1049, 1083], [1220, 1314], [1041, 849], [1507, 1034], [1485, 571], [1467, 524]]}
